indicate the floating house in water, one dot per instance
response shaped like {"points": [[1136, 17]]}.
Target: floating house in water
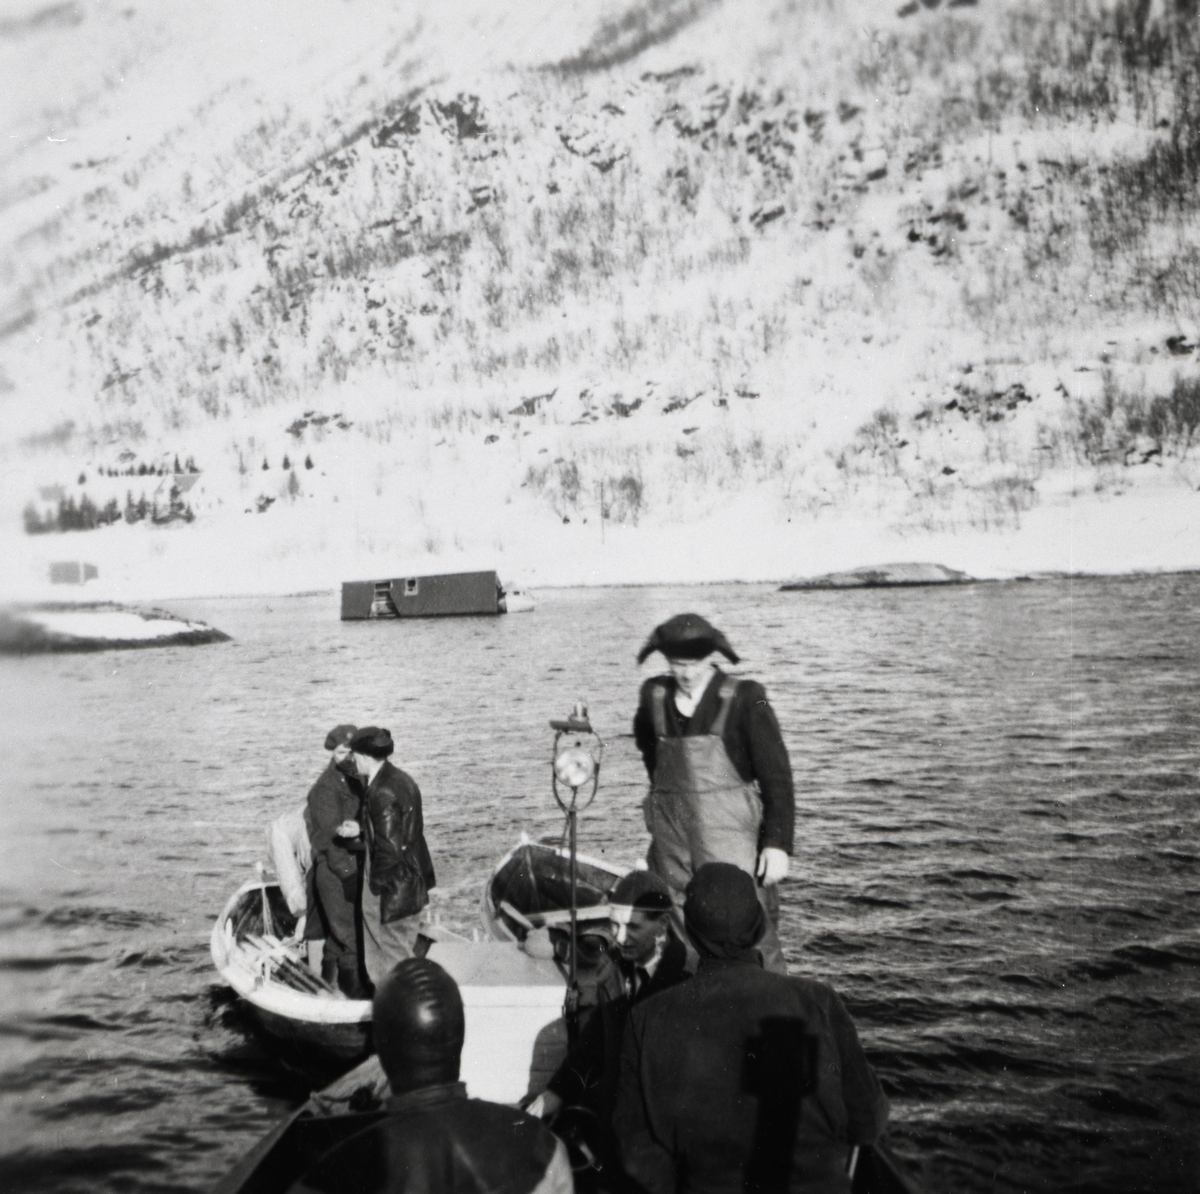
{"points": [[453, 594]]}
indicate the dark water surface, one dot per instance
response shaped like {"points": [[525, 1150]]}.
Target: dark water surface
{"points": [[997, 853]]}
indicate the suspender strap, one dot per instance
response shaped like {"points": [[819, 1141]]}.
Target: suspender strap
{"points": [[728, 688], [658, 707]]}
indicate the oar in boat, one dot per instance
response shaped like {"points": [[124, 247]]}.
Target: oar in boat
{"points": [[273, 951]]}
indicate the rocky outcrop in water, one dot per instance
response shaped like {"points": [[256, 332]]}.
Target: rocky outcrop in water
{"points": [[884, 576], [105, 626]]}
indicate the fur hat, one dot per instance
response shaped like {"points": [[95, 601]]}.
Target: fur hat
{"points": [[687, 636]]}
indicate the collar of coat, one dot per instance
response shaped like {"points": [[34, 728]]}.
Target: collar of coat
{"points": [[709, 963], [425, 1097]]}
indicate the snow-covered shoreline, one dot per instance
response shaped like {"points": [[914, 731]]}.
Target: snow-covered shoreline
{"points": [[303, 549]]}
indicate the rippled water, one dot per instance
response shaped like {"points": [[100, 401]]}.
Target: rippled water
{"points": [[997, 853]]}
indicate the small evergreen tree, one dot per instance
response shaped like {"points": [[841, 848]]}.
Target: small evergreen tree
{"points": [[177, 468], [308, 462], [266, 464], [131, 514], [87, 514]]}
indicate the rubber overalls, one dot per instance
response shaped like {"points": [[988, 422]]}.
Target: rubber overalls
{"points": [[701, 810]]}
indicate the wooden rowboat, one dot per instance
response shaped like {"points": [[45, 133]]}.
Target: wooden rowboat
{"points": [[513, 1002], [313, 1024]]}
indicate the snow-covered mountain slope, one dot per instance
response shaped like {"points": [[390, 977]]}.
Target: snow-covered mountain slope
{"points": [[669, 290]]}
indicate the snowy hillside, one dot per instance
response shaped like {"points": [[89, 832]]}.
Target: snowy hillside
{"points": [[596, 292]]}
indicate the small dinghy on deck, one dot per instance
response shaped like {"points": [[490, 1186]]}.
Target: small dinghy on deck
{"points": [[530, 888]]}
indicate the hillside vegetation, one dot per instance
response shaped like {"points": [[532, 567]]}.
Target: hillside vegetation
{"points": [[932, 268]]}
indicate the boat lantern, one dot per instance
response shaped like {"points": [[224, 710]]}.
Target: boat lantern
{"points": [[575, 762], [577, 752]]}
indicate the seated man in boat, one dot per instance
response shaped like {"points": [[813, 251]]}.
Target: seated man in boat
{"points": [[434, 1139], [742, 1079], [650, 958], [720, 778], [397, 869]]}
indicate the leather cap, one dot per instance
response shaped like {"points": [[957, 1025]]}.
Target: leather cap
{"points": [[372, 741], [417, 1015], [687, 636], [643, 890], [340, 736]]}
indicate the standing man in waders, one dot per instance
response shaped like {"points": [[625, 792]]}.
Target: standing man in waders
{"points": [[720, 778]]}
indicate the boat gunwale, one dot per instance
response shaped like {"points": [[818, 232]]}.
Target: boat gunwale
{"points": [[492, 917], [272, 996]]}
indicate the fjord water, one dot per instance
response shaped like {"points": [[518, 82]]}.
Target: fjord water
{"points": [[996, 853]]}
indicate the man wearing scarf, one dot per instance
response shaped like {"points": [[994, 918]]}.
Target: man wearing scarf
{"points": [[742, 1079], [720, 778]]}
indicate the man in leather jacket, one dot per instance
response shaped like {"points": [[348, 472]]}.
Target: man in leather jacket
{"points": [[397, 869], [433, 1138]]}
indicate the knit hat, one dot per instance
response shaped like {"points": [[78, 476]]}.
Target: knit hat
{"points": [[417, 1016], [372, 741], [643, 891], [722, 913], [340, 736], [687, 636]]}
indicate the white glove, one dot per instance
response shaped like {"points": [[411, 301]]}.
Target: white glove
{"points": [[546, 1106], [773, 865]]}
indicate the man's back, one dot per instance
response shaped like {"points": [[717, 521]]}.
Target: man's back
{"points": [[743, 1080], [437, 1141]]}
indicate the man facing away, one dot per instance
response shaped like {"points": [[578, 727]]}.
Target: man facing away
{"points": [[435, 1140], [742, 1081], [720, 778], [650, 958]]}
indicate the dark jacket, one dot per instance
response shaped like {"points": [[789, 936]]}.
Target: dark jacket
{"points": [[588, 1076], [752, 740], [437, 1141], [394, 829], [334, 798], [744, 1080]]}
